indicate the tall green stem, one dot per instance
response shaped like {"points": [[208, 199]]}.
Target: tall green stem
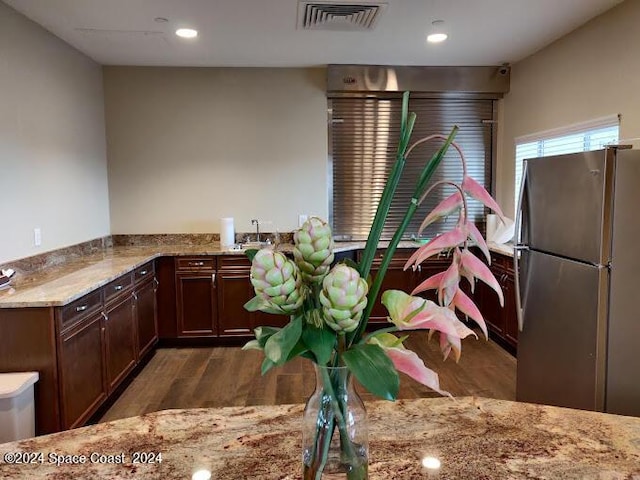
{"points": [[423, 181]]}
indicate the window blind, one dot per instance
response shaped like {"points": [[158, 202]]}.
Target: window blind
{"points": [[363, 139], [582, 137]]}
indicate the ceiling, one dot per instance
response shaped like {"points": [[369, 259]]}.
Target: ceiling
{"points": [[261, 33]]}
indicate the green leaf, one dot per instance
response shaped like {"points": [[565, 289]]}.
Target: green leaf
{"points": [[266, 366], [403, 113], [373, 369], [264, 333], [252, 345], [349, 263], [259, 303], [279, 345], [255, 304], [300, 349], [250, 253], [320, 341]]}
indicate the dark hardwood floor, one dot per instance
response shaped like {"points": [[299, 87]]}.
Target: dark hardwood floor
{"points": [[228, 376]]}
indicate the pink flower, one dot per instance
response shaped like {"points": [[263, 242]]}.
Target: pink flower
{"points": [[445, 241], [414, 313], [477, 191], [449, 293], [407, 362], [443, 209], [473, 267]]}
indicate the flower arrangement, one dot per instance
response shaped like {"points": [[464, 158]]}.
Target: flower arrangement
{"points": [[330, 306]]}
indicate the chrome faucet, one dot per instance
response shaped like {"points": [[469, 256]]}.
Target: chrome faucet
{"points": [[257, 224]]}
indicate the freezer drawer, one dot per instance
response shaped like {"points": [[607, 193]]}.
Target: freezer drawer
{"points": [[561, 347], [565, 205]]}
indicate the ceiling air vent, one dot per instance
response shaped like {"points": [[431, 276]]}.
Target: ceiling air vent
{"points": [[336, 16]]}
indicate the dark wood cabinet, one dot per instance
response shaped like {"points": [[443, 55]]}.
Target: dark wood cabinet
{"points": [[511, 315], [166, 298], [146, 316], [81, 370], [502, 322], [234, 290], [120, 339], [489, 305], [196, 297], [395, 279]]}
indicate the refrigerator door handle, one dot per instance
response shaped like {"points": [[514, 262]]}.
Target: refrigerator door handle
{"points": [[520, 247]]}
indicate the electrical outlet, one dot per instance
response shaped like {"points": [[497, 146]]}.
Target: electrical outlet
{"points": [[37, 237], [302, 218]]}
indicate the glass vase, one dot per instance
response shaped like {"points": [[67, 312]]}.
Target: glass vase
{"points": [[334, 430]]}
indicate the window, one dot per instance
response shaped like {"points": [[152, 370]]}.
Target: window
{"points": [[582, 137], [363, 136]]}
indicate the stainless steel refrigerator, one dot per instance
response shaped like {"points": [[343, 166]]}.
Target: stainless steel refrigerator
{"points": [[578, 277]]}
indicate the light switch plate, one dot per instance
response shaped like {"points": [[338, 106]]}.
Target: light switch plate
{"points": [[302, 218], [37, 237]]}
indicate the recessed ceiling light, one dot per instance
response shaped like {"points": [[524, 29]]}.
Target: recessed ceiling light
{"points": [[437, 37], [187, 33]]}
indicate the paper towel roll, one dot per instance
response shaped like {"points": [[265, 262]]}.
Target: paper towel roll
{"points": [[492, 225], [227, 232]]}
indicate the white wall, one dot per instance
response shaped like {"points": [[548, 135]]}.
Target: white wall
{"points": [[53, 171], [592, 72], [187, 146]]}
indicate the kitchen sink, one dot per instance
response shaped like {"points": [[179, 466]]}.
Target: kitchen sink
{"points": [[249, 245]]}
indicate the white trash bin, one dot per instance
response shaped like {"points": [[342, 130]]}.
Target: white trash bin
{"points": [[17, 412]]}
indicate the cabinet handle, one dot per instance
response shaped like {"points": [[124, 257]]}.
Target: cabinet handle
{"points": [[117, 288], [419, 268], [81, 308], [134, 295], [237, 330], [196, 264], [213, 278], [105, 316], [156, 283], [143, 272]]}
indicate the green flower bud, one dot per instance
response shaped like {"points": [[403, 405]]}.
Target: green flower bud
{"points": [[343, 297]]}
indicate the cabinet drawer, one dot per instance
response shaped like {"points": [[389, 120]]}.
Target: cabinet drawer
{"points": [[145, 271], [119, 285], [400, 257], [75, 311], [501, 261], [234, 262], [195, 263]]}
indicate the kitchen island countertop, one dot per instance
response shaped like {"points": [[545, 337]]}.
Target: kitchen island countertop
{"points": [[472, 437]]}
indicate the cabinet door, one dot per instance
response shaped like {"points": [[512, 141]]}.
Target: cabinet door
{"points": [[395, 279], [166, 298], [511, 317], [146, 311], [81, 369], [196, 304], [234, 290], [489, 304], [120, 340]]}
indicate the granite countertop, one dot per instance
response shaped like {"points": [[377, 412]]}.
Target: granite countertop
{"points": [[473, 438], [62, 284]]}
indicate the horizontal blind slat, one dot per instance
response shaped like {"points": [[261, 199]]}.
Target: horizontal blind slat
{"points": [[364, 143]]}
